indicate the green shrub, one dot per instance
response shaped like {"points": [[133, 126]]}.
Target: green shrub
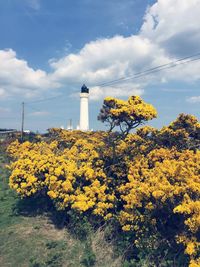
{"points": [[88, 258]]}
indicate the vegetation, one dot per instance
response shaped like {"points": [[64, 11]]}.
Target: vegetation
{"points": [[33, 233], [126, 115], [141, 189]]}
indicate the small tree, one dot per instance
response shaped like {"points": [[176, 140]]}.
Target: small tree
{"points": [[126, 115]]}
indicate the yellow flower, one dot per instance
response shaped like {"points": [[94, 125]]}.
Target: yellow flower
{"points": [[52, 194], [190, 249]]}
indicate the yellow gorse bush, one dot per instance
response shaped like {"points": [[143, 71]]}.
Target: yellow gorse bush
{"points": [[72, 177], [134, 108], [143, 180], [164, 177]]}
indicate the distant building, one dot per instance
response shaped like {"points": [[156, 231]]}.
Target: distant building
{"points": [[27, 131], [7, 133]]}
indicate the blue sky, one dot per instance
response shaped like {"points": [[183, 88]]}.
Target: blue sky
{"points": [[50, 48]]}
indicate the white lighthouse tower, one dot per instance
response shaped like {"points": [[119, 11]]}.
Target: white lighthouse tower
{"points": [[84, 112]]}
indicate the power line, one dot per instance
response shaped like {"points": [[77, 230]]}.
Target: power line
{"points": [[172, 64], [34, 109], [37, 110], [169, 65], [43, 99], [149, 72]]}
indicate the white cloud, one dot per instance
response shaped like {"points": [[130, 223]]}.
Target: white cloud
{"points": [[125, 90], [170, 30], [105, 59], [39, 113], [17, 78], [98, 92], [167, 19], [193, 99], [109, 59]]}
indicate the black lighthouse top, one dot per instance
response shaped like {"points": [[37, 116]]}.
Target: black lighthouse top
{"points": [[84, 89]]}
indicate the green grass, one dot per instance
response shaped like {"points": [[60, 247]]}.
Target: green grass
{"points": [[29, 238]]}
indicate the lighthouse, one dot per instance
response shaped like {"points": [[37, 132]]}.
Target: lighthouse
{"points": [[84, 112]]}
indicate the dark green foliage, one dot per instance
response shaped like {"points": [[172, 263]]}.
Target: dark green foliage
{"points": [[79, 225], [88, 258], [35, 263], [54, 259], [51, 244]]}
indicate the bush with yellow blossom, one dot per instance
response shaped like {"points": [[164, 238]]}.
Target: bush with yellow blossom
{"points": [[72, 177], [147, 181], [164, 187]]}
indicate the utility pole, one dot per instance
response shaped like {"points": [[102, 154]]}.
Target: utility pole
{"points": [[22, 129], [70, 124]]}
